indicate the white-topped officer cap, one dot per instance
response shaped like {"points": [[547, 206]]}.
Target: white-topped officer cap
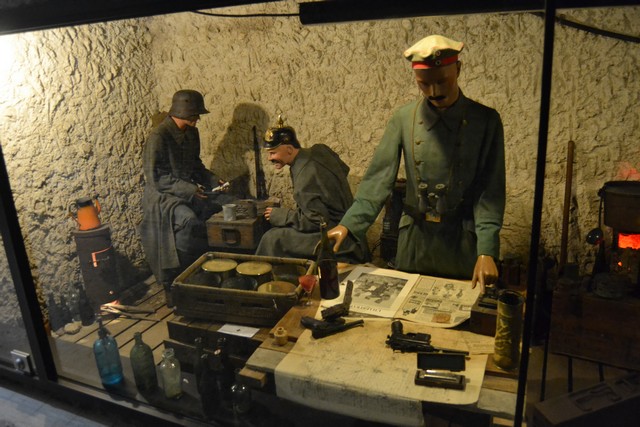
{"points": [[433, 51]]}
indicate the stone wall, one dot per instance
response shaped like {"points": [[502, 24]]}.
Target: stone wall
{"points": [[78, 101]]}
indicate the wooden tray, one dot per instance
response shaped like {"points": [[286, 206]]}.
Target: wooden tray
{"points": [[199, 301]]}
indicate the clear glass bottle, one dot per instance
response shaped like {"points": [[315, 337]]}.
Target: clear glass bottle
{"points": [[171, 375], [327, 267], [144, 370], [105, 350]]}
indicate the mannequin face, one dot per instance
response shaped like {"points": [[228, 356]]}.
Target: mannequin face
{"points": [[188, 122], [282, 155], [440, 84]]}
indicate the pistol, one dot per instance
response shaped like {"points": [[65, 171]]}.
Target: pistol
{"points": [[407, 343], [414, 343], [322, 328], [342, 309]]}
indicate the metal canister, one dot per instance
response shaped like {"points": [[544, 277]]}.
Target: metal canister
{"points": [[259, 270], [217, 270], [506, 354], [277, 287]]}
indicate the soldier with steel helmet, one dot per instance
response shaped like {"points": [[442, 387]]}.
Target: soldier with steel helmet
{"points": [[177, 198], [453, 149], [321, 192]]}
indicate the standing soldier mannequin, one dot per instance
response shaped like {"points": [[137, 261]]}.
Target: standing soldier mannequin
{"points": [[321, 192], [453, 149], [175, 204]]}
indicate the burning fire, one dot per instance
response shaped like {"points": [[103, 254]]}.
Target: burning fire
{"points": [[630, 241]]}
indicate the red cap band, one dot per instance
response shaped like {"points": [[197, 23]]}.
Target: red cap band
{"points": [[432, 63]]}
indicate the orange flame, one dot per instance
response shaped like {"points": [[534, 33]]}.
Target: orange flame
{"points": [[631, 241]]}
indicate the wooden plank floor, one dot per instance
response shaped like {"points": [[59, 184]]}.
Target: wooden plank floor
{"points": [[148, 295]]}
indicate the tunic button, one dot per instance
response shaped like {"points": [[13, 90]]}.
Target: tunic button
{"points": [[418, 142], [418, 162], [420, 122]]}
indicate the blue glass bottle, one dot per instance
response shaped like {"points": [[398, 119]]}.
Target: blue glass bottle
{"points": [[105, 349]]}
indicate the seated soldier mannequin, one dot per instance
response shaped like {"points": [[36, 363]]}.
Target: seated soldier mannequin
{"points": [[177, 196], [321, 193]]}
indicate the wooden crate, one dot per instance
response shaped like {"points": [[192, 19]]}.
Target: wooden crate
{"points": [[239, 234], [586, 326], [231, 305]]}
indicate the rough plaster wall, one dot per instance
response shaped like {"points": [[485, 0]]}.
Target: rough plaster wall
{"points": [[339, 84], [72, 118], [595, 98], [77, 103]]}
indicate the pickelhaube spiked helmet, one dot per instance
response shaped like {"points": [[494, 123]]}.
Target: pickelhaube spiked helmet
{"points": [[280, 134]]}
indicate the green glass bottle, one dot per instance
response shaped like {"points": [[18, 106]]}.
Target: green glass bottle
{"points": [[144, 370]]}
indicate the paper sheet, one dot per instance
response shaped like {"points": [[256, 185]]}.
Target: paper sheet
{"points": [[355, 374], [433, 301]]}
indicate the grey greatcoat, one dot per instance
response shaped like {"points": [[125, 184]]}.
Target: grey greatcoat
{"points": [[321, 191], [172, 168]]}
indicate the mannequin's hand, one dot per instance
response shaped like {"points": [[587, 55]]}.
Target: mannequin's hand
{"points": [[485, 272], [338, 233]]}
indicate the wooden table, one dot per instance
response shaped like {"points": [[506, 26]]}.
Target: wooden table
{"points": [[497, 396], [75, 361]]}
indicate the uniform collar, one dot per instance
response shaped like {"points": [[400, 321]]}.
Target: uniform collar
{"points": [[177, 134], [301, 159], [451, 117]]}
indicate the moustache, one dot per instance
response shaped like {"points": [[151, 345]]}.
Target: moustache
{"points": [[437, 98]]}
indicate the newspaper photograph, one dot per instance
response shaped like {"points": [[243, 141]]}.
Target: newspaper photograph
{"points": [[376, 291]]}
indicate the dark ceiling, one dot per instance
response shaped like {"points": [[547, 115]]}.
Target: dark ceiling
{"points": [[30, 15]]}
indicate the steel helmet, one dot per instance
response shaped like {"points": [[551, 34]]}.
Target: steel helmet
{"points": [[187, 103], [280, 134]]}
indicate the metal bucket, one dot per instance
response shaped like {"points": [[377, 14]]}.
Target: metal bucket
{"points": [[622, 205]]}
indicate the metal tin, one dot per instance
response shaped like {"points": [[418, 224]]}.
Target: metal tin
{"points": [[288, 272], [217, 270], [259, 270], [277, 287], [241, 283]]}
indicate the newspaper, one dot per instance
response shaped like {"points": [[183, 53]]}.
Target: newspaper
{"points": [[439, 302], [428, 300]]}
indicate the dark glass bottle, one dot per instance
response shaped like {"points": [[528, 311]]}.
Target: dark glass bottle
{"points": [[223, 368], [209, 388], [56, 317], [198, 364], [144, 369], [105, 350], [87, 314], [327, 267]]}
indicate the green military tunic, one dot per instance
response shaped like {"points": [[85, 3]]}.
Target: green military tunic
{"points": [[461, 149], [321, 192]]}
